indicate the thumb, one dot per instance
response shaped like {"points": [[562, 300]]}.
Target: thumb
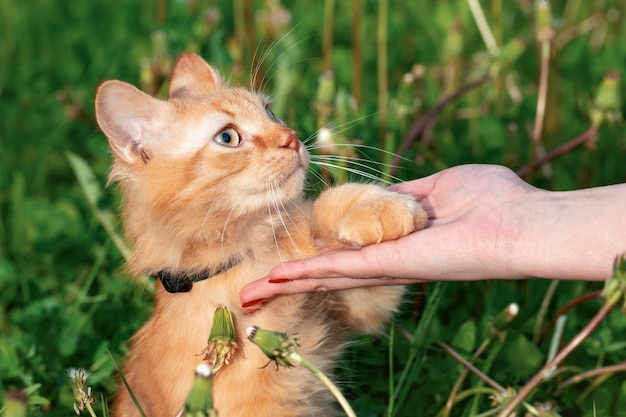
{"points": [[335, 264], [419, 188]]}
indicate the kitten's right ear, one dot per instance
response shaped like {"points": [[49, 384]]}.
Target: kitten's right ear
{"points": [[129, 118]]}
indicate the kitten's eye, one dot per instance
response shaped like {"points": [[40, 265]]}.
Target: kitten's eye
{"points": [[271, 114], [227, 137]]}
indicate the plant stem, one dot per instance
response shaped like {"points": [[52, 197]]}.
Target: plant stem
{"points": [[566, 147], [471, 367], [383, 87], [546, 371], [465, 394], [357, 67], [545, 304], [620, 367], [429, 118], [249, 30], [411, 365], [452, 398], [327, 46], [161, 12], [391, 385], [565, 309], [491, 357], [497, 19], [585, 26], [559, 328], [540, 111], [90, 409], [483, 26], [544, 34], [297, 358], [125, 382]]}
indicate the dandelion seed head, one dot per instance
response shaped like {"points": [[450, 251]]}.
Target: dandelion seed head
{"points": [[77, 373]]}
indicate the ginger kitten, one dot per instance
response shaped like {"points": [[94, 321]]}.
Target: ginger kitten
{"points": [[212, 189]]}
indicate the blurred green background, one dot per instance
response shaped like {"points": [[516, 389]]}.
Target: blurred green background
{"points": [[64, 298]]}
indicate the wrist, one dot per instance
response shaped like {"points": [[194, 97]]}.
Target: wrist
{"points": [[568, 235]]}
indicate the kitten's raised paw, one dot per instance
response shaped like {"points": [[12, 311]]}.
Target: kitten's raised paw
{"points": [[356, 215]]}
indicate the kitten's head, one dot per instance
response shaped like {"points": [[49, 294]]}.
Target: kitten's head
{"points": [[208, 145]]}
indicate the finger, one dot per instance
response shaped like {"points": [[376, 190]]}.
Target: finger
{"points": [[261, 289], [343, 263]]}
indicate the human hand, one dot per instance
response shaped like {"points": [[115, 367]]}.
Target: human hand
{"points": [[472, 230], [483, 222]]}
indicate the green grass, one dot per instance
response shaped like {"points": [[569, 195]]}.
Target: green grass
{"points": [[64, 298]]}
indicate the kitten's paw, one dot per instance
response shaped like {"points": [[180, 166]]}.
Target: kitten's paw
{"points": [[356, 215], [387, 218]]}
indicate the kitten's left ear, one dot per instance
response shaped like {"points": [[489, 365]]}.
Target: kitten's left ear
{"points": [[131, 120], [193, 77]]}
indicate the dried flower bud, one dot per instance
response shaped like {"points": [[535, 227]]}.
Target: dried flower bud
{"points": [[615, 286], [606, 103], [541, 409], [282, 350], [503, 397], [276, 346], [82, 393], [273, 19], [15, 403], [222, 343], [497, 325], [544, 31], [199, 402]]}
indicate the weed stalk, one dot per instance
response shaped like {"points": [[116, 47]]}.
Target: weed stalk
{"points": [[577, 301], [544, 35], [483, 27], [605, 370], [383, 82], [356, 50], [418, 339], [614, 291], [283, 351], [327, 41], [497, 332]]}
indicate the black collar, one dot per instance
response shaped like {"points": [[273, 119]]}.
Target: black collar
{"points": [[182, 281]]}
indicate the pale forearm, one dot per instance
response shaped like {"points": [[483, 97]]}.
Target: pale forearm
{"points": [[573, 235]]}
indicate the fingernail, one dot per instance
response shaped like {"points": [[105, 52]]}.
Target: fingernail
{"points": [[278, 280], [248, 304]]}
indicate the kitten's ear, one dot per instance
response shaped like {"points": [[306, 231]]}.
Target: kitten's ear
{"points": [[129, 118], [192, 76]]}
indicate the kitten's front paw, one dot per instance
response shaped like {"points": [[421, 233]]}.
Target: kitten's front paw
{"points": [[377, 221], [356, 215]]}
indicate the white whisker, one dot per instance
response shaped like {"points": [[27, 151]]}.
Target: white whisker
{"points": [[363, 174], [319, 177], [357, 162], [281, 214], [204, 222], [257, 66], [223, 236], [340, 128], [277, 60], [269, 211]]}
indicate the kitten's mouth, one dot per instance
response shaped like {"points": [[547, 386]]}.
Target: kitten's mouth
{"points": [[304, 158], [299, 169]]}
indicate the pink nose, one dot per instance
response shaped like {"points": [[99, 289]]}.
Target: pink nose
{"points": [[292, 142]]}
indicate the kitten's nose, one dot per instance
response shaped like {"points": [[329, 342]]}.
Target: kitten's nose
{"points": [[292, 142]]}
